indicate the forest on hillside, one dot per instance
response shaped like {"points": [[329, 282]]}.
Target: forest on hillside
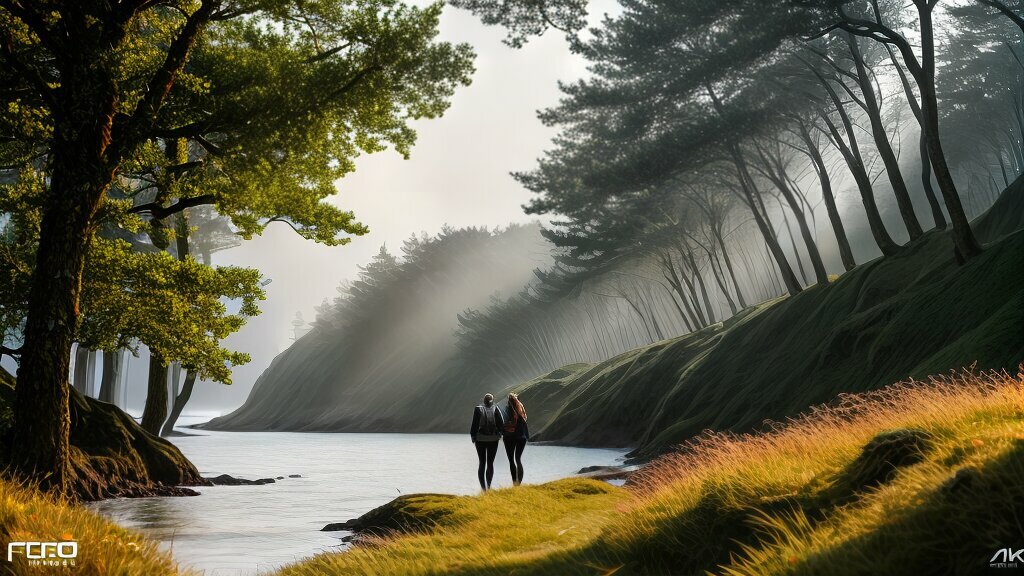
{"points": [[387, 332], [722, 155]]}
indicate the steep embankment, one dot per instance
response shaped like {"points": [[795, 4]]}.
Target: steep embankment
{"points": [[110, 453], [910, 315]]}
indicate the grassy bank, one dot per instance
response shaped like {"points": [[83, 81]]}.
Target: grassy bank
{"points": [[916, 478], [111, 455], [103, 547]]}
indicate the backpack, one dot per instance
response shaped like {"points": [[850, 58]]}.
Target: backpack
{"points": [[487, 431]]}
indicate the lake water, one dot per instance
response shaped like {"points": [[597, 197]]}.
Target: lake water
{"points": [[248, 530]]}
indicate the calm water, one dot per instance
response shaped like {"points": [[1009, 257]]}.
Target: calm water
{"points": [[246, 530]]}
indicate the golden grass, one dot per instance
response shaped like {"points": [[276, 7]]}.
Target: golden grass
{"points": [[494, 533], [103, 547], [766, 503]]}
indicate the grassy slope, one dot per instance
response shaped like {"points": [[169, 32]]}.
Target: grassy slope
{"points": [[103, 547], [914, 314], [815, 497]]}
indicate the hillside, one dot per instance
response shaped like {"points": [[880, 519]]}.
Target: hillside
{"points": [[910, 315], [889, 319], [363, 365]]}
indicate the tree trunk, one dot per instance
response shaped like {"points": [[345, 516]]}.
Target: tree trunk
{"points": [[728, 265], [882, 238], [881, 137], [855, 162], [111, 376], [789, 278], [792, 244], [179, 403], [155, 412], [966, 245], [78, 183], [703, 288], [80, 375], [926, 166], [719, 276], [775, 170], [828, 197]]}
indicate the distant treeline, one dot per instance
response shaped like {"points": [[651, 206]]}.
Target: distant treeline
{"points": [[389, 333]]}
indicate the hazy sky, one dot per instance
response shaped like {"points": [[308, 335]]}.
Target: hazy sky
{"points": [[458, 175]]}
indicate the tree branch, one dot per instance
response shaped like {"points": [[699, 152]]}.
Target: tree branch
{"points": [[1009, 13], [31, 75], [144, 115], [159, 212]]}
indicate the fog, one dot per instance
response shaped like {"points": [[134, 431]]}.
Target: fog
{"points": [[457, 175]]}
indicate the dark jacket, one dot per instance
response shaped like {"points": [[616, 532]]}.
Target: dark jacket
{"points": [[522, 431], [475, 426]]}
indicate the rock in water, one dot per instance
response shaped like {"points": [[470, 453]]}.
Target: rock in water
{"points": [[228, 480]]}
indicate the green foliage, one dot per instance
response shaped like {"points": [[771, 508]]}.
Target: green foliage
{"points": [[179, 307], [174, 306], [267, 109], [526, 18], [273, 105], [912, 315]]}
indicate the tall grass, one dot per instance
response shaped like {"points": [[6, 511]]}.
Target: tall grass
{"points": [[774, 502], [27, 515], [779, 501]]}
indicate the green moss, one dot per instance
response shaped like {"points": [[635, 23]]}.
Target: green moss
{"points": [[406, 513]]}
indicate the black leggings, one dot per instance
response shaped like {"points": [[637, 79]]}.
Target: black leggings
{"points": [[486, 451], [514, 450]]}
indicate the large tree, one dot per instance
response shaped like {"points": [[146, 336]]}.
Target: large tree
{"points": [[276, 98]]}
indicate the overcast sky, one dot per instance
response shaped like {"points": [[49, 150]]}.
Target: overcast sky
{"points": [[458, 175]]}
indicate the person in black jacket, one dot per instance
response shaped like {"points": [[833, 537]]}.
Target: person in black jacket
{"points": [[485, 432], [515, 434]]}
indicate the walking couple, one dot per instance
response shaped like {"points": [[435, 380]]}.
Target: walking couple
{"points": [[491, 424]]}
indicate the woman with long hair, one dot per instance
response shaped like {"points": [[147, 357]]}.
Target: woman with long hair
{"points": [[485, 431], [515, 434]]}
